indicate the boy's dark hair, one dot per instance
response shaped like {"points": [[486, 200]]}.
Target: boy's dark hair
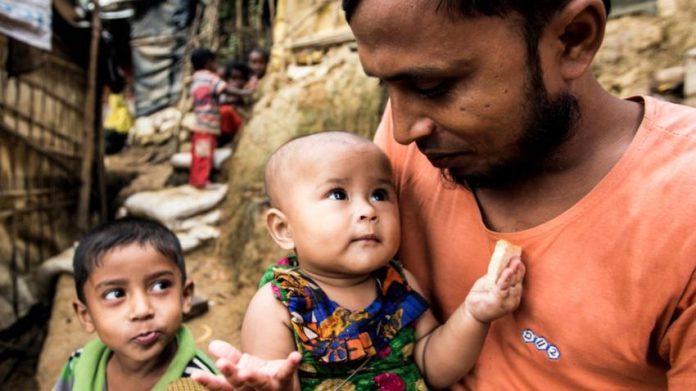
{"points": [[237, 66], [536, 13], [200, 57], [263, 52], [106, 237]]}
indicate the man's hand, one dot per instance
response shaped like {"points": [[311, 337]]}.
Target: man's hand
{"points": [[488, 301], [241, 372]]}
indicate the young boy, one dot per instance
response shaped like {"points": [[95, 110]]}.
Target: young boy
{"points": [[354, 314], [132, 289], [236, 74], [206, 88], [258, 61]]}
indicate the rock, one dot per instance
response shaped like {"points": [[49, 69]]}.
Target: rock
{"points": [[690, 73], [177, 203]]}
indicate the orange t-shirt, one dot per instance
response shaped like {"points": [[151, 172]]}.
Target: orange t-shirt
{"points": [[610, 291]]}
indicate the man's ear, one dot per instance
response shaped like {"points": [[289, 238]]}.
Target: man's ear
{"points": [[82, 313], [579, 29], [279, 228], [187, 294]]}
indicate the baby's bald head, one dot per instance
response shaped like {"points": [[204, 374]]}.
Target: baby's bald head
{"points": [[288, 162]]}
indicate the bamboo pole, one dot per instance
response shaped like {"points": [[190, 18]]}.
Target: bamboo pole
{"points": [[90, 103]]}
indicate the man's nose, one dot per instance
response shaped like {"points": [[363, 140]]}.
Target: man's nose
{"points": [[141, 307], [409, 123]]}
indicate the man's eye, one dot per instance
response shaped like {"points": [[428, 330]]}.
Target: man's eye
{"points": [[114, 294], [338, 194], [380, 195], [433, 92], [162, 285]]}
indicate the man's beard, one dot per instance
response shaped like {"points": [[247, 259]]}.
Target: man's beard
{"points": [[549, 123]]}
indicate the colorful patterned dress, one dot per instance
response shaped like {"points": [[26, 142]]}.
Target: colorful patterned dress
{"points": [[369, 349]]}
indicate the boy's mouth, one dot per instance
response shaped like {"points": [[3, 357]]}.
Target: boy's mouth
{"points": [[146, 338]]}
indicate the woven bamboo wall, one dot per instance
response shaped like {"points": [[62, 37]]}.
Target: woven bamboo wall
{"points": [[41, 143]]}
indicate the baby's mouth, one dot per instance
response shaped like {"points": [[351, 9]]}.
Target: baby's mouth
{"points": [[367, 238]]}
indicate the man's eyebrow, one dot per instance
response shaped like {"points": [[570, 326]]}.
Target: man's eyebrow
{"points": [[422, 72], [413, 73]]}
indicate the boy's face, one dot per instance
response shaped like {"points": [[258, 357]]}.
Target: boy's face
{"points": [[342, 210], [257, 63], [135, 301], [237, 79]]}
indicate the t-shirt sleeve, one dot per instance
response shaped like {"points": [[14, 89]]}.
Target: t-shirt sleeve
{"points": [[678, 345]]}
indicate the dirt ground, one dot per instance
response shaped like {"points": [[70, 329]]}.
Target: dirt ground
{"points": [[221, 321]]}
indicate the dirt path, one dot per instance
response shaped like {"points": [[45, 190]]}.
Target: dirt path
{"points": [[212, 279]]}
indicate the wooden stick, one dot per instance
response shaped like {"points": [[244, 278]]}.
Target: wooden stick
{"points": [[88, 157]]}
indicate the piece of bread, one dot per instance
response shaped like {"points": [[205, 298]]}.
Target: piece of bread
{"points": [[502, 253]]}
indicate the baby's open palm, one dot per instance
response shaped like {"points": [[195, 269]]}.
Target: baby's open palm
{"points": [[488, 301]]}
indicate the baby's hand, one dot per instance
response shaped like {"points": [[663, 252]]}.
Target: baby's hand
{"points": [[488, 301], [247, 372]]}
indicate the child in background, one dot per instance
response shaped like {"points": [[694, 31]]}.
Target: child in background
{"points": [[356, 317], [206, 89], [132, 289], [258, 61], [236, 74]]}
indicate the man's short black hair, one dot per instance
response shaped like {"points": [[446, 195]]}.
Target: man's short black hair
{"points": [[200, 57], [109, 236], [537, 13]]}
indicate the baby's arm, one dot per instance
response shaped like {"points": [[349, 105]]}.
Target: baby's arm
{"points": [[445, 353], [270, 359]]}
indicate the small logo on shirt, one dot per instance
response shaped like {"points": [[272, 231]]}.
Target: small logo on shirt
{"points": [[541, 344]]}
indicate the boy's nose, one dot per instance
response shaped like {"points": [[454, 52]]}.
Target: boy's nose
{"points": [[141, 307]]}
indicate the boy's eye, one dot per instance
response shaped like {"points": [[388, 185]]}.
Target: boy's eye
{"points": [[380, 195], [162, 285], [114, 294], [338, 194]]}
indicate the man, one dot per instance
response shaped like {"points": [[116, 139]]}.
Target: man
{"points": [[499, 97], [497, 130]]}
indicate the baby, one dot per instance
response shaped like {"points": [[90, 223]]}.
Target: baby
{"points": [[356, 317]]}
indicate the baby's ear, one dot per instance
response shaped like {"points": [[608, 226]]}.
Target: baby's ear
{"points": [[82, 313], [279, 228]]}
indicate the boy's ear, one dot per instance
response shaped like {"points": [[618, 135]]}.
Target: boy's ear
{"points": [[279, 228], [82, 313], [187, 293]]}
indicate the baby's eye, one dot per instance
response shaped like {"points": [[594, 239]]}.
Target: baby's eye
{"points": [[338, 194], [380, 195], [161, 285], [114, 294]]}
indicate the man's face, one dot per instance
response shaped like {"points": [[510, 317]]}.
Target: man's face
{"points": [[463, 90]]}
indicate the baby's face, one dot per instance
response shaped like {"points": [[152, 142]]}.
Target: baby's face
{"points": [[342, 210], [135, 301]]}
